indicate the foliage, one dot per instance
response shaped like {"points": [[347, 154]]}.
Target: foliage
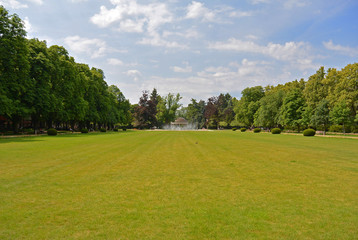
{"points": [[115, 129], [103, 130], [275, 131], [257, 130], [51, 132], [84, 130], [234, 129], [167, 108], [309, 132], [243, 129]]}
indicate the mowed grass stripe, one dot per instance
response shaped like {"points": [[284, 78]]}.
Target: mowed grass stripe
{"points": [[179, 185]]}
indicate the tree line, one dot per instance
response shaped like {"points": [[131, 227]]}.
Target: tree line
{"points": [[46, 87], [328, 100]]}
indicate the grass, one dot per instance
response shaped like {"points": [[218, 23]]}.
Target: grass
{"points": [[178, 185]]}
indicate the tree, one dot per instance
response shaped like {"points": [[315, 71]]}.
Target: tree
{"points": [[321, 116], [341, 114], [167, 108], [269, 111], [15, 103], [195, 113], [292, 109], [247, 106], [315, 90]]}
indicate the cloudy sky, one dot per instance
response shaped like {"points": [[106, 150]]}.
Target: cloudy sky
{"points": [[197, 48]]}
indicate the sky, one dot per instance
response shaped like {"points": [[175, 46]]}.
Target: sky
{"points": [[197, 48]]}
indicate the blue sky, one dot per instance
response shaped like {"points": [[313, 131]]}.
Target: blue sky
{"points": [[197, 48]]}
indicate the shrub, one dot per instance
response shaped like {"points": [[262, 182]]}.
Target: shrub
{"points": [[52, 132], [115, 129], [124, 129], [309, 132], [234, 129], [84, 130], [276, 131], [336, 128], [103, 130], [243, 129], [257, 130]]}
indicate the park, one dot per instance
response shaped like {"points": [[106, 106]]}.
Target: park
{"points": [[178, 185]]}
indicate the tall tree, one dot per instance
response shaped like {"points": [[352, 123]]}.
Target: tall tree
{"points": [[15, 103], [167, 108], [292, 109]]}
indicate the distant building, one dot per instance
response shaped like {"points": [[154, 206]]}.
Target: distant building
{"points": [[180, 122]]}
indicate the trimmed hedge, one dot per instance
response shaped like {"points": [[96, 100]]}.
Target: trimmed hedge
{"points": [[309, 132], [52, 132], [84, 130], [234, 129], [243, 129], [276, 131], [103, 130], [257, 130]]}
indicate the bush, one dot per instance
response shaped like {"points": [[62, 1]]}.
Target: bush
{"points": [[103, 130], [276, 131], [243, 129], [84, 130], [115, 129], [257, 130], [124, 129], [234, 129], [336, 128], [309, 132], [52, 132]]}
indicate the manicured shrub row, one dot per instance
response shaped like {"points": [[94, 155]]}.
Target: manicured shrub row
{"points": [[276, 131], [309, 132], [52, 132], [243, 129], [257, 130], [84, 130]]}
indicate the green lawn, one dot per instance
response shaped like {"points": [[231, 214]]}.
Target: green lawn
{"points": [[178, 185]]}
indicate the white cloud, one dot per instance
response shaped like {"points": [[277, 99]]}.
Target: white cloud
{"points": [[130, 16], [92, 47], [240, 14], [198, 10], [187, 34], [290, 4], [293, 52], [135, 74], [156, 40], [349, 51], [186, 69], [12, 4], [259, 1], [114, 61], [39, 2], [28, 26]]}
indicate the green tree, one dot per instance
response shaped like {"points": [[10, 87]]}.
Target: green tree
{"points": [[321, 116], [167, 108], [341, 114], [292, 109], [195, 113], [269, 111], [247, 106], [15, 83]]}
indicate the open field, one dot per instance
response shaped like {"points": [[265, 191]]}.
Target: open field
{"points": [[178, 185]]}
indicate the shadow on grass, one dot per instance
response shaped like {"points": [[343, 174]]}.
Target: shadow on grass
{"points": [[9, 139], [22, 139]]}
